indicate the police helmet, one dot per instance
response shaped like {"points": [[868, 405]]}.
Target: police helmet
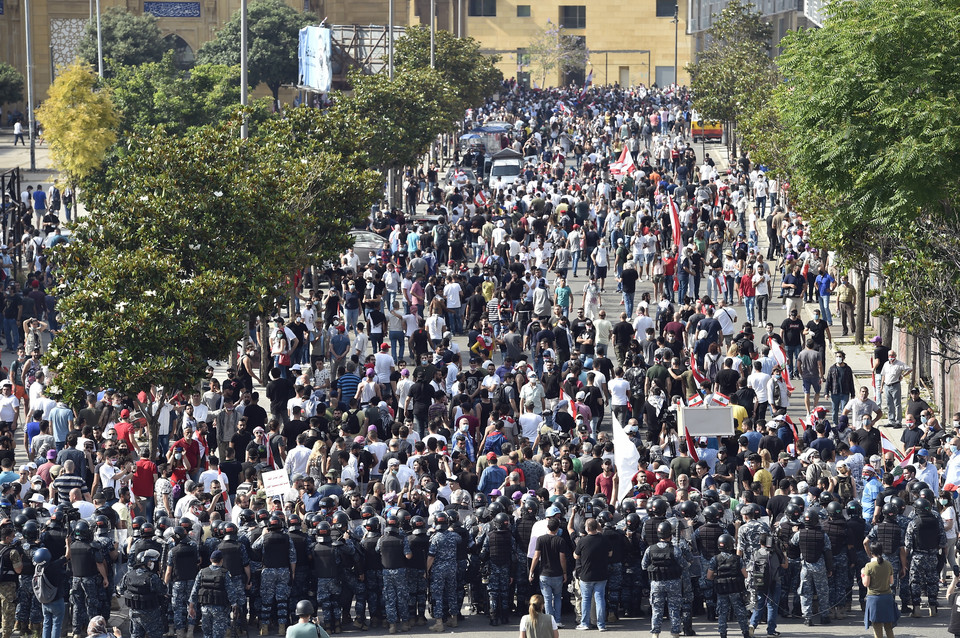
{"points": [[628, 506], [927, 493], [889, 511], [798, 500], [82, 531], [187, 523], [605, 518], [633, 522], [149, 556], [294, 522], [178, 534], [442, 520], [726, 543], [31, 531], [304, 608], [419, 525], [711, 514], [479, 500], [367, 511], [19, 521], [340, 521], [262, 517], [658, 507], [923, 505], [102, 523], [501, 521], [230, 531], [854, 509], [530, 508], [31, 513], [147, 530], [248, 516], [899, 503], [327, 503], [709, 497], [834, 511], [825, 498], [392, 519], [665, 531], [794, 512], [372, 525], [404, 517], [136, 524], [42, 556], [811, 518], [453, 516], [275, 522], [688, 509], [322, 531]]}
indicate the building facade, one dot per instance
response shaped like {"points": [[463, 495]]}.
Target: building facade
{"points": [[628, 42], [58, 25]]}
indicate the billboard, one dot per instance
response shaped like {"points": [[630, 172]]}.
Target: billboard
{"points": [[314, 55]]}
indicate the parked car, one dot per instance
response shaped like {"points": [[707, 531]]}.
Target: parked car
{"points": [[365, 244]]}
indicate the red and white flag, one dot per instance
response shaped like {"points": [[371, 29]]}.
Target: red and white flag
{"points": [[720, 399], [887, 445], [480, 199], [721, 283], [781, 358], [624, 165], [694, 401], [691, 448], [674, 221], [697, 375], [793, 426], [908, 459]]}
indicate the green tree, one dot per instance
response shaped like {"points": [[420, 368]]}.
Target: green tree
{"points": [[873, 144], [472, 74], [11, 84], [206, 228], [553, 51], [734, 74], [404, 115], [158, 94], [128, 39], [273, 39], [79, 121]]}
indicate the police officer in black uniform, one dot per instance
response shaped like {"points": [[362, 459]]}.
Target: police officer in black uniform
{"points": [[182, 565], [89, 576], [706, 540], [499, 551]]}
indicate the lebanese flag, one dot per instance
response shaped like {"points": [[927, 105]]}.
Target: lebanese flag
{"points": [[721, 283], [781, 358], [720, 399], [806, 268], [480, 199], [793, 426], [888, 446], [697, 376], [624, 165], [694, 401], [716, 200], [873, 374], [674, 221], [908, 459], [691, 448]]}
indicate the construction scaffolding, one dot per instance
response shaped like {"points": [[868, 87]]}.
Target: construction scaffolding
{"points": [[359, 47]]}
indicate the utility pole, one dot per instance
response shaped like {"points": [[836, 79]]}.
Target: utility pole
{"points": [[390, 175], [30, 124], [433, 34], [99, 44], [244, 133]]}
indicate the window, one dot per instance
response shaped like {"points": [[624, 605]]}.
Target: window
{"points": [[573, 17], [666, 8], [523, 57], [482, 8], [523, 10]]}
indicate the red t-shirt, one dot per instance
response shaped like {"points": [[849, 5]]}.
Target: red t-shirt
{"points": [[192, 449], [663, 486], [670, 266], [143, 478], [605, 486], [124, 432]]}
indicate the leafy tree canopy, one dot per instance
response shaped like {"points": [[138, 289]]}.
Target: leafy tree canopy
{"points": [[273, 37], [472, 74], [128, 39], [11, 84], [553, 51], [79, 121]]}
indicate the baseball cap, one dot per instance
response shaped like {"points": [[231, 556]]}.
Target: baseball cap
{"points": [[783, 455], [923, 452], [491, 456], [51, 454], [124, 413], [393, 462], [217, 555], [384, 346]]}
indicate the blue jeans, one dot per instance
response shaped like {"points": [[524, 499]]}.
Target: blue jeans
{"points": [[750, 303], [682, 290], [12, 333], [838, 401], [53, 618], [668, 287], [284, 370], [768, 600], [824, 302], [351, 318], [792, 353], [397, 342], [597, 590], [552, 589], [628, 303], [163, 441], [575, 256]]}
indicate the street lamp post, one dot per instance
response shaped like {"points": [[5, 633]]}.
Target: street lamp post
{"points": [[30, 125], [99, 44], [433, 34], [390, 175], [244, 133], [676, 42]]}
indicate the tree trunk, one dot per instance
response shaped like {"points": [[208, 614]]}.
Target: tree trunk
{"points": [[265, 358]]}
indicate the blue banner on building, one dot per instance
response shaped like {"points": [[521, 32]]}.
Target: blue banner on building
{"points": [[172, 9]]}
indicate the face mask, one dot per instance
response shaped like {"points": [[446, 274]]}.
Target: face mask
{"points": [[178, 456], [953, 449], [839, 360], [944, 502], [888, 465]]}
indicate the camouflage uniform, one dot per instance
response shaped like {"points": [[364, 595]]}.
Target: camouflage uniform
{"points": [[146, 616], [275, 581], [215, 619], [729, 600], [443, 574], [748, 540], [813, 575], [328, 601], [396, 598], [899, 585], [28, 607], [924, 537], [85, 595], [665, 593]]}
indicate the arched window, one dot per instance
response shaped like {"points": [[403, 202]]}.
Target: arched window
{"points": [[183, 56]]}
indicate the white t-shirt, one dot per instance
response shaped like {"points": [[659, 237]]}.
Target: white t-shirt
{"points": [[8, 408], [382, 365], [950, 514], [529, 425], [619, 392], [451, 292]]}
